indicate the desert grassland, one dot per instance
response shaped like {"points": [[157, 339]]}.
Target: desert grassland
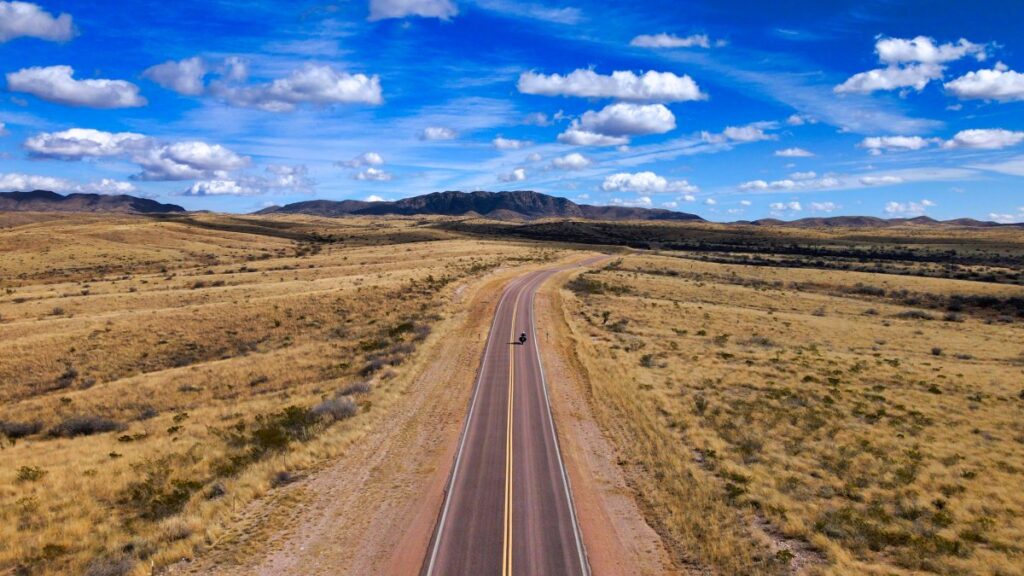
{"points": [[775, 420], [156, 375]]}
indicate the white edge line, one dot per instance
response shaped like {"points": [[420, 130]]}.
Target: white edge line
{"points": [[465, 433], [580, 548]]}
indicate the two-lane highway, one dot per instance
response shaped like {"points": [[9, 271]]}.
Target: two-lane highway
{"points": [[508, 508]]}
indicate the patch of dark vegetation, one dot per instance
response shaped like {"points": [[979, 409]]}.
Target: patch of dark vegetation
{"points": [[159, 492], [583, 284], [18, 430], [85, 426], [938, 255], [271, 433], [30, 474]]}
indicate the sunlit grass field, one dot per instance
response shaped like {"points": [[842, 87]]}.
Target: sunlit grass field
{"points": [[778, 419], [157, 375]]}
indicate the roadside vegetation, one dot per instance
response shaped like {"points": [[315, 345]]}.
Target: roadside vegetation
{"points": [[774, 419], [159, 374]]}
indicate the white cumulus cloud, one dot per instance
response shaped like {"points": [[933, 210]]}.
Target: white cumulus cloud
{"points": [[999, 83], [915, 76], [650, 86], [671, 41], [641, 202], [925, 50], [750, 133], [24, 19], [577, 137], [517, 175], [908, 208], [911, 63], [824, 207], [364, 159], [878, 144], [220, 188], [318, 84], [182, 76], [78, 143], [880, 180], [437, 133], [385, 9], [793, 206], [986, 139], [622, 119], [615, 123], [57, 84], [571, 161], [16, 182], [374, 174], [508, 143], [188, 160], [794, 153], [645, 183]]}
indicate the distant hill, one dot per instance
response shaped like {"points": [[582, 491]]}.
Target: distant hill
{"points": [[520, 204], [44, 201]]}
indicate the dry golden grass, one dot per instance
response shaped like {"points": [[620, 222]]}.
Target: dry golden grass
{"points": [[192, 338], [780, 419]]}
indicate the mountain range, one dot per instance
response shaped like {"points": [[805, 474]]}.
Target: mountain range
{"points": [[45, 201], [520, 204], [514, 205]]}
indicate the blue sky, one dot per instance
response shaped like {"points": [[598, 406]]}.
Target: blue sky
{"points": [[732, 109]]}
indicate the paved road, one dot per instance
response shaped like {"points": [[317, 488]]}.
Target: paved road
{"points": [[509, 509]]}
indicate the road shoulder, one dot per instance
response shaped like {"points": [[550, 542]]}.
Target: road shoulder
{"points": [[617, 538]]}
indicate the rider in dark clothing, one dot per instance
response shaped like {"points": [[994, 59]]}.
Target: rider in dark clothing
{"points": [[522, 338]]}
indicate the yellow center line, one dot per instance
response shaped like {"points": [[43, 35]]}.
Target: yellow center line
{"points": [[506, 567]]}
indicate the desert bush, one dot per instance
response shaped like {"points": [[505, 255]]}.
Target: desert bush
{"points": [[583, 285], [867, 290], [85, 426], [356, 388], [120, 565], [283, 478], [762, 341], [336, 409], [914, 315], [647, 360], [936, 351], [16, 430], [159, 493], [67, 378], [30, 473]]}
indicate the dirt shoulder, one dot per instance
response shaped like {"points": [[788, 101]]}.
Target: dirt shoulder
{"points": [[617, 538]]}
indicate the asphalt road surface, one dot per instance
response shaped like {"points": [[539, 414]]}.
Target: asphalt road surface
{"points": [[508, 508]]}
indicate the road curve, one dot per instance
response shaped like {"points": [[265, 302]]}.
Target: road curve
{"points": [[508, 507]]}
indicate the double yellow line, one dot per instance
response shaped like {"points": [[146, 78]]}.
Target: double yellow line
{"points": [[506, 553]]}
